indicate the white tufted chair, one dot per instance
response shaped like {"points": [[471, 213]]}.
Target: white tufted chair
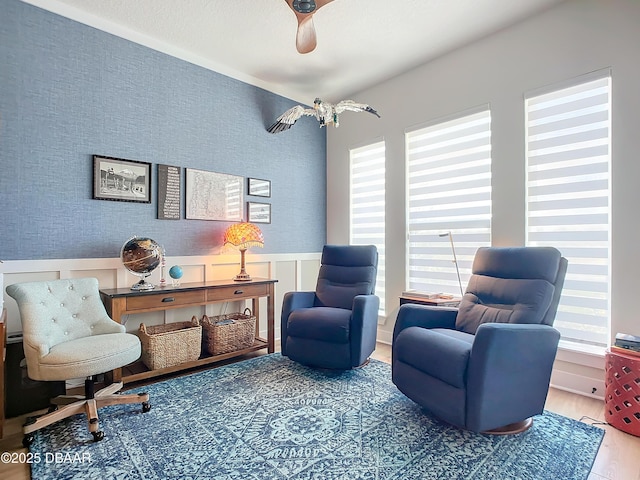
{"points": [[67, 334]]}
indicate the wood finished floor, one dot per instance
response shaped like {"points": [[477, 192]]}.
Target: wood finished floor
{"points": [[618, 457]]}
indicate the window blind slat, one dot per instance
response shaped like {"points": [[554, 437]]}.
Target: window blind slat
{"points": [[568, 199], [367, 205], [449, 190]]}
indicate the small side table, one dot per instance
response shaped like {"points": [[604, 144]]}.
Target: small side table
{"points": [[622, 393], [434, 302]]}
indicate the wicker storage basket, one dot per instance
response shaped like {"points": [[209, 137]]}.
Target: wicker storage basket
{"points": [[171, 344], [227, 333]]}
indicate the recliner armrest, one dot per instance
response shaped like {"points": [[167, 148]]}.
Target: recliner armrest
{"points": [[364, 327], [425, 316], [365, 306], [509, 361], [527, 342], [294, 300], [290, 302]]}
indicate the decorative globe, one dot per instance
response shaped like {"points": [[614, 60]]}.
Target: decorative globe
{"points": [[141, 256], [175, 272]]}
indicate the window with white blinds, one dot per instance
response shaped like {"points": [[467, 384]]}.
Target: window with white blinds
{"points": [[568, 199], [449, 198], [367, 204]]}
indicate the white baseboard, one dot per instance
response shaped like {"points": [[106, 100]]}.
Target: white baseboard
{"points": [[384, 336], [579, 384]]}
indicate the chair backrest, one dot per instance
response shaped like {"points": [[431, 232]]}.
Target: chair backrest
{"points": [[512, 285], [57, 311], [346, 271]]}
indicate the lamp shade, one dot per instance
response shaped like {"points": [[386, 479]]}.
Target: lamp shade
{"points": [[243, 235]]}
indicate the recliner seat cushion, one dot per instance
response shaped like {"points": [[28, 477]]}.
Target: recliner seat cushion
{"points": [[435, 352], [320, 323], [500, 300]]}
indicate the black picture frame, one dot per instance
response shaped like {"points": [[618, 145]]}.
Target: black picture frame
{"points": [[258, 212], [169, 192], [258, 187], [121, 180]]}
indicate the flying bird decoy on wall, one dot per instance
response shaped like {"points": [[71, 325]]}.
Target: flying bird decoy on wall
{"points": [[306, 35], [324, 112]]}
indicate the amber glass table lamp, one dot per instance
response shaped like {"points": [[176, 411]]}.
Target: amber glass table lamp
{"points": [[242, 236]]}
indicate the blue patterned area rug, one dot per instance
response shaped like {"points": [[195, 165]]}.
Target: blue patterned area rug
{"points": [[270, 418]]}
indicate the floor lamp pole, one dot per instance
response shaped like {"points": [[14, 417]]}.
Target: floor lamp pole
{"points": [[455, 260]]}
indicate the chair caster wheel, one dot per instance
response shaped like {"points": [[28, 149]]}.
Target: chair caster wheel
{"points": [[27, 440], [97, 436], [146, 406]]}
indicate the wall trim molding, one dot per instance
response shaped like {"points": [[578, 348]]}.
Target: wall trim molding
{"points": [[294, 271], [578, 384]]}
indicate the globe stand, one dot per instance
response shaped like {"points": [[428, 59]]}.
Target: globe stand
{"points": [[143, 285]]}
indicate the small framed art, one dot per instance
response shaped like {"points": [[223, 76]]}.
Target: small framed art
{"points": [[258, 212], [259, 188], [121, 180], [169, 192]]}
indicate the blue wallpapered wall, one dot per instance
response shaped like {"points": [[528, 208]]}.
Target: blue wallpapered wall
{"points": [[68, 91]]}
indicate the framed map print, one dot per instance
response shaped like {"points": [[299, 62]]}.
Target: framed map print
{"points": [[213, 196]]}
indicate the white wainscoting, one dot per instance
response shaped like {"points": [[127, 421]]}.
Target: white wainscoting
{"points": [[579, 371], [294, 272]]}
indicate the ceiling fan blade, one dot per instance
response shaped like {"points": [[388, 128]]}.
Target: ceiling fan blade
{"points": [[306, 36], [322, 3]]}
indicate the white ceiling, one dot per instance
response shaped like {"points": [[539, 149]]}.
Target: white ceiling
{"points": [[360, 42]]}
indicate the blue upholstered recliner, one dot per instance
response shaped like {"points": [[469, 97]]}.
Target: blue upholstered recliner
{"points": [[335, 326], [486, 365]]}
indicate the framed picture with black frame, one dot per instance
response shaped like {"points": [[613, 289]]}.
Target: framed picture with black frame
{"points": [[121, 180], [169, 192], [258, 212], [259, 188]]}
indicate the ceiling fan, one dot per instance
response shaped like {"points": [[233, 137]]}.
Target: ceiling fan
{"points": [[304, 10]]}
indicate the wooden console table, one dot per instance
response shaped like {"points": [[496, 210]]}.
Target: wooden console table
{"points": [[124, 301]]}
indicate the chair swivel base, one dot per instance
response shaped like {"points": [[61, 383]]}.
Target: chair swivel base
{"points": [[66, 406], [364, 364], [512, 428]]}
